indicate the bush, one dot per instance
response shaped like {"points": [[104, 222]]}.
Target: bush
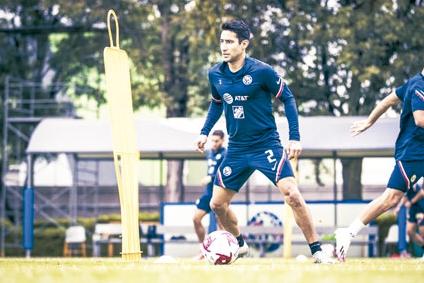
{"points": [[49, 237]]}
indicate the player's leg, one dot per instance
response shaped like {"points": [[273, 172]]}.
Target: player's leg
{"points": [[381, 204], [414, 234], [198, 226], [199, 229], [302, 216], [202, 209], [231, 175], [273, 163], [421, 231], [412, 226], [220, 204], [402, 178]]}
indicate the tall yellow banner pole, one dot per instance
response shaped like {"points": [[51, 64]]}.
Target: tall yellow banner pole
{"points": [[125, 153], [288, 219]]}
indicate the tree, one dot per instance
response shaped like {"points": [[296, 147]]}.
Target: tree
{"points": [[339, 57], [345, 57]]}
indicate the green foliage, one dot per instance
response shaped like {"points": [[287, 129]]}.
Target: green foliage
{"points": [[339, 58], [49, 236], [143, 217]]}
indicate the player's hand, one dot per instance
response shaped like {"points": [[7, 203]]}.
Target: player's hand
{"points": [[293, 149], [200, 142], [359, 127]]}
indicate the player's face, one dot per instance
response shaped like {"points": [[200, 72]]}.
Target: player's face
{"points": [[231, 50], [216, 142]]}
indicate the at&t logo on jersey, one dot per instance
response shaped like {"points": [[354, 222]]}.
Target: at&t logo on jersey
{"points": [[228, 98], [238, 112]]}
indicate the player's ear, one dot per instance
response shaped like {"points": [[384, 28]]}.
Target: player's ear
{"points": [[245, 43]]}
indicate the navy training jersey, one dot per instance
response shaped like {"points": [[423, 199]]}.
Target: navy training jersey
{"points": [[410, 141], [214, 159], [246, 96]]}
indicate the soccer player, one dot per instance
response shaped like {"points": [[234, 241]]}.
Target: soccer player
{"points": [[413, 200], [409, 156], [214, 157], [243, 87]]}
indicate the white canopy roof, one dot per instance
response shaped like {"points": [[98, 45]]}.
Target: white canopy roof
{"points": [[173, 138]]}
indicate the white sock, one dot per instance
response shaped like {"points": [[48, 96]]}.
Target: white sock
{"points": [[355, 227]]}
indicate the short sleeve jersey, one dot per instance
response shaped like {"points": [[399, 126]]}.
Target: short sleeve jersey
{"points": [[247, 98], [410, 141], [214, 159]]}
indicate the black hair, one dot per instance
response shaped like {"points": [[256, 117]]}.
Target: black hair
{"points": [[218, 133], [240, 28]]}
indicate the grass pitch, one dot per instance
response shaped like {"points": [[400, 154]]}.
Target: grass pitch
{"points": [[258, 270]]}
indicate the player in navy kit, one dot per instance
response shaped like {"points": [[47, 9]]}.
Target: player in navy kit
{"points": [[414, 202], [242, 88], [409, 155], [214, 157]]}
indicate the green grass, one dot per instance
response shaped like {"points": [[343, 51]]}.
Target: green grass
{"points": [[267, 270]]}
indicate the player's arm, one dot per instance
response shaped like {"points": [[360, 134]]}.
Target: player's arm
{"points": [[360, 126], [214, 113], [418, 107], [419, 118], [400, 204], [419, 113], [277, 86], [417, 197], [294, 147]]}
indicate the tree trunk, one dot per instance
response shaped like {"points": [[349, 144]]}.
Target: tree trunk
{"points": [[174, 186], [352, 171], [175, 65]]}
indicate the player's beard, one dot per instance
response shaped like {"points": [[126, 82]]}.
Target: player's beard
{"points": [[233, 59]]}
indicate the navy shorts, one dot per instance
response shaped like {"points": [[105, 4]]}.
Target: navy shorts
{"points": [[203, 202], [416, 215], [406, 174], [238, 166]]}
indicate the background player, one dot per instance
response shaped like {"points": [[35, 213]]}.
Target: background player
{"points": [[214, 157], [414, 202], [243, 87], [409, 155]]}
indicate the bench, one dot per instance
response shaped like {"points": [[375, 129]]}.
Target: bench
{"points": [[367, 236], [255, 235], [110, 234], [258, 235], [106, 233]]}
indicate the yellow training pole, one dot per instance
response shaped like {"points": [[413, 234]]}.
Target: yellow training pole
{"points": [[288, 219], [125, 153]]}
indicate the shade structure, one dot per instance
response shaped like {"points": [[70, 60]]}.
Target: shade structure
{"points": [[173, 138]]}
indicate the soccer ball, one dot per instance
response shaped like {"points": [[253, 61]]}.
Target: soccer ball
{"points": [[220, 247]]}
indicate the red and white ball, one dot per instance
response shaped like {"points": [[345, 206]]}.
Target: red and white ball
{"points": [[220, 247]]}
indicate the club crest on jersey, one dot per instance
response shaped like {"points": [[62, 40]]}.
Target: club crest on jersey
{"points": [[227, 171], [247, 79], [413, 178], [238, 112], [228, 98]]}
